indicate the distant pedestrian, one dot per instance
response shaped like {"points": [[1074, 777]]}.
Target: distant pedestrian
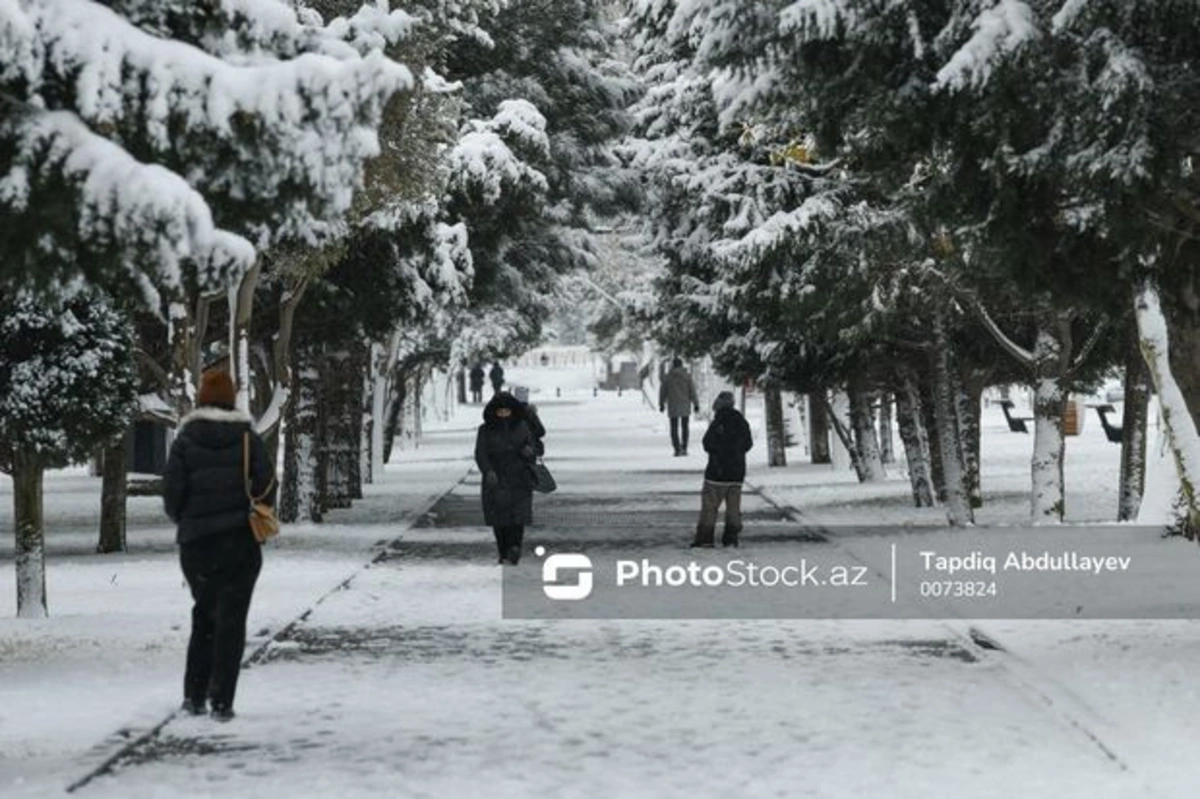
{"points": [[477, 377], [216, 462], [505, 453], [496, 375], [521, 393], [726, 441], [677, 396]]}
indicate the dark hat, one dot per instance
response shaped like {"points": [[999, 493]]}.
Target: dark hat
{"points": [[677, 362], [723, 400], [216, 388]]}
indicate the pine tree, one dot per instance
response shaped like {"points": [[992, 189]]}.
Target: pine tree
{"points": [[66, 387]]}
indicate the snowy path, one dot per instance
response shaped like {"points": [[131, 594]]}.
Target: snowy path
{"points": [[408, 682]]}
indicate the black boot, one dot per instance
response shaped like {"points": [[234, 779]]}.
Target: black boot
{"points": [[195, 707], [501, 547], [515, 539], [704, 537], [729, 538]]}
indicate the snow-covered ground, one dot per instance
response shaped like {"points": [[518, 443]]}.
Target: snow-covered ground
{"points": [[404, 680]]}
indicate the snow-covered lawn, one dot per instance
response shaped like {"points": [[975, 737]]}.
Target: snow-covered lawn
{"points": [[407, 681]]}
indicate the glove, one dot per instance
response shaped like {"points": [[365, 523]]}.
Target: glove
{"points": [[662, 408], [696, 408], [491, 478]]}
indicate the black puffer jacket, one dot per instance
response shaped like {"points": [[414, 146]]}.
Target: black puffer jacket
{"points": [[504, 453], [727, 441], [203, 489]]}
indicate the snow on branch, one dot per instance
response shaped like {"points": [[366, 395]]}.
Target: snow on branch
{"points": [[22, 59], [483, 161], [999, 30], [103, 52], [139, 207], [817, 19]]}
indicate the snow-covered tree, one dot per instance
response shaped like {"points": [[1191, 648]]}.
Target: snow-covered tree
{"points": [[556, 58], [67, 386], [148, 142]]}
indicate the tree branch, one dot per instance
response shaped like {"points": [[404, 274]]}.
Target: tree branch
{"points": [[1023, 356], [1089, 345]]}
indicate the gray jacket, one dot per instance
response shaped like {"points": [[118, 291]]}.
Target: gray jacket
{"points": [[678, 393]]}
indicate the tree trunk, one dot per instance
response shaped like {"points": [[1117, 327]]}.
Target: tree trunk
{"points": [[418, 406], [357, 415], [31, 537], [818, 428], [887, 449], [846, 435], [929, 419], [338, 442], [113, 490], [366, 449], [970, 403], [776, 434], [395, 409], [1178, 421], [241, 312], [916, 443], [299, 499], [866, 441], [1051, 352], [945, 398], [1134, 427]]}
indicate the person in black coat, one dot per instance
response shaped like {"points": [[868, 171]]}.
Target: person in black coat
{"points": [[477, 378], [726, 441], [504, 453], [533, 419], [205, 493], [496, 375]]}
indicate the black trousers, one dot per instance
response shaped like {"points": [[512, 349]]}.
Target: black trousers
{"points": [[679, 432], [221, 571], [507, 538]]}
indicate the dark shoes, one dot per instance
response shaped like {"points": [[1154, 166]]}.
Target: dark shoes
{"points": [[730, 538], [514, 554], [703, 539], [198, 707], [194, 707]]}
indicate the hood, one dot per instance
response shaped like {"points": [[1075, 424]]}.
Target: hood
{"points": [[215, 428], [723, 400], [505, 400]]}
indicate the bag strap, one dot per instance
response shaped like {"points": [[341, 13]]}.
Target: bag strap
{"points": [[246, 472]]}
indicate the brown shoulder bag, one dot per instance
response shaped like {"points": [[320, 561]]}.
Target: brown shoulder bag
{"points": [[263, 521]]}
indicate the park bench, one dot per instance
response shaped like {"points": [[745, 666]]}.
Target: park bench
{"points": [[1112, 431], [1015, 423]]}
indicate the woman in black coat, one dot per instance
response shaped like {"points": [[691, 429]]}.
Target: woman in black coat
{"points": [[504, 453], [205, 494]]}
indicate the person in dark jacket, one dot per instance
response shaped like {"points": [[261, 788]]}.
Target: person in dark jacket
{"points": [[726, 441], [504, 453], [496, 375], [521, 393], [205, 494], [477, 383], [677, 396]]}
